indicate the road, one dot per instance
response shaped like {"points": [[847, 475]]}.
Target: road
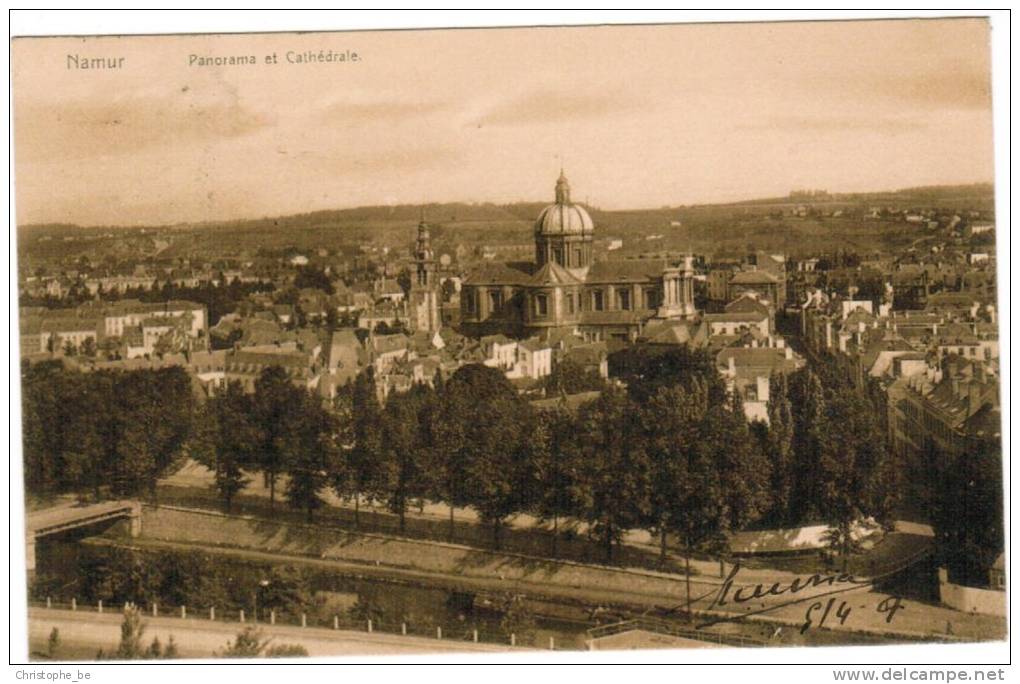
{"points": [[85, 633]]}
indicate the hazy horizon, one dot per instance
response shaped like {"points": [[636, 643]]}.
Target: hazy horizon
{"points": [[441, 202], [641, 117]]}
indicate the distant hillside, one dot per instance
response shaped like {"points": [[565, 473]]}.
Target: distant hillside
{"points": [[708, 228], [940, 195]]}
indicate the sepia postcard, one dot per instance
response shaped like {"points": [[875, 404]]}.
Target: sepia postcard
{"points": [[508, 341]]}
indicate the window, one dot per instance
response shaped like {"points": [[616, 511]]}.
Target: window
{"points": [[558, 255], [495, 300], [577, 257], [570, 302], [469, 301], [541, 305], [624, 296], [596, 301], [652, 299]]}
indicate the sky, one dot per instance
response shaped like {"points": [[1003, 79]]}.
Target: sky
{"points": [[640, 116]]}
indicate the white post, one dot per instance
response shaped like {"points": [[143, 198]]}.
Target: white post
{"points": [[369, 626], [336, 622], [304, 620], [99, 607], [403, 628], [212, 612], [184, 612], [552, 644], [48, 603], [242, 615], [74, 604], [439, 632], [272, 617], [474, 635], [513, 639], [155, 609]]}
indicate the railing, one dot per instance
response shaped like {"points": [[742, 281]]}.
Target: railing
{"points": [[126, 511], [271, 617], [657, 626]]}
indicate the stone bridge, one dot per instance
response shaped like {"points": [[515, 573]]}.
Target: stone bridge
{"points": [[59, 519]]}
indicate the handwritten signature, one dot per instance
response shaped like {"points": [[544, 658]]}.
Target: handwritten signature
{"points": [[816, 614]]}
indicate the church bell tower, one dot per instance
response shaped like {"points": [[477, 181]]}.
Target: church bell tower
{"points": [[425, 314]]}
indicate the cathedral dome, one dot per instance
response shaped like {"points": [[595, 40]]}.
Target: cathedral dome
{"points": [[564, 217]]}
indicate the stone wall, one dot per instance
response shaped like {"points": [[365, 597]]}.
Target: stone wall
{"points": [[971, 599]]}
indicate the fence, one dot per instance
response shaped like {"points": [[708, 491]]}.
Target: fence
{"points": [[312, 620], [668, 628]]}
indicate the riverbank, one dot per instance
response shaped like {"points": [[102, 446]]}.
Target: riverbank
{"points": [[461, 568]]}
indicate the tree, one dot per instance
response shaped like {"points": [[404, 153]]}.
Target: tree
{"points": [[779, 448], [313, 278], [132, 630], [311, 450], [851, 463], [807, 400], [88, 347], [276, 405], [233, 438], [968, 512], [615, 451], [53, 643], [673, 420], [559, 464], [644, 369], [570, 377], [517, 620], [248, 643], [404, 451], [448, 454], [357, 472], [492, 421], [744, 471]]}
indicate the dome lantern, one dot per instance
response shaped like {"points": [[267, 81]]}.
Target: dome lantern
{"points": [[564, 231]]}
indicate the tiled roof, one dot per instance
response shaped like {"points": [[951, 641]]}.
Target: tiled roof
{"points": [[624, 270], [736, 316], [495, 273], [383, 344], [752, 278], [552, 273], [610, 318], [760, 358], [674, 332]]}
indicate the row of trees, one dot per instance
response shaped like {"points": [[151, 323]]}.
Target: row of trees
{"points": [[105, 431], [672, 454]]}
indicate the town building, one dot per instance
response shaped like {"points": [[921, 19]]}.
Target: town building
{"points": [[566, 289]]}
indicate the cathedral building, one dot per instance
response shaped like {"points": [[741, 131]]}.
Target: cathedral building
{"points": [[566, 290]]}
